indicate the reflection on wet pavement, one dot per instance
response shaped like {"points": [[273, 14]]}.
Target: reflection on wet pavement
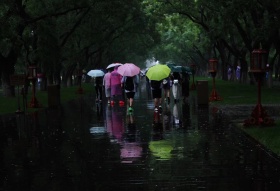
{"points": [[88, 146]]}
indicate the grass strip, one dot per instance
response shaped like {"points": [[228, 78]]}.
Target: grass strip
{"points": [[10, 104]]}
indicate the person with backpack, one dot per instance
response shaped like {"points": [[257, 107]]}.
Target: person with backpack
{"points": [[130, 84], [156, 87]]}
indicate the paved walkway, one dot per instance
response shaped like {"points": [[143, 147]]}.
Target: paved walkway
{"points": [[88, 146]]}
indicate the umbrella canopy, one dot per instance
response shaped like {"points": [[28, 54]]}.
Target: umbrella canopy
{"points": [[171, 65], [180, 69], [95, 73], [158, 72], [128, 69], [113, 65]]}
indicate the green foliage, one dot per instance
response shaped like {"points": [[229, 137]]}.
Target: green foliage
{"points": [[95, 33], [56, 35], [10, 104], [268, 136], [236, 93]]}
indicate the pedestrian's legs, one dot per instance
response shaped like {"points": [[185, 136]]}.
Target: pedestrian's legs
{"points": [[174, 91], [108, 95], [156, 100], [130, 96], [130, 102], [97, 93], [100, 92], [167, 95]]}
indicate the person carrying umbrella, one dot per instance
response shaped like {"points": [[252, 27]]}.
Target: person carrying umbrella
{"points": [[130, 84], [176, 79], [167, 84], [156, 87], [116, 88], [130, 81], [156, 74], [107, 85], [98, 88]]}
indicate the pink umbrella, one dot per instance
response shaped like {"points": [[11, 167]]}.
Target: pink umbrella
{"points": [[128, 69]]}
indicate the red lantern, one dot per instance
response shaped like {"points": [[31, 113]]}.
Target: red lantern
{"points": [[212, 67], [32, 72], [258, 67], [258, 61]]}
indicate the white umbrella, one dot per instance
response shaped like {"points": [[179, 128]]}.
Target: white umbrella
{"points": [[113, 65], [95, 73]]}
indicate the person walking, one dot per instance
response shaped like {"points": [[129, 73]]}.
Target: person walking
{"points": [[229, 73], [166, 86], [176, 80], [156, 87], [238, 72], [107, 85], [116, 87], [130, 85], [98, 88]]}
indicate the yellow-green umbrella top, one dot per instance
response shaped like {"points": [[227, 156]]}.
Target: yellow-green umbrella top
{"points": [[158, 72]]}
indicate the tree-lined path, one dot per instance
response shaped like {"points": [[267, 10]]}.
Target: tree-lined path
{"points": [[89, 146]]}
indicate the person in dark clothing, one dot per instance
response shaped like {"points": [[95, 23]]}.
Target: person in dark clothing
{"points": [[167, 84], [156, 87], [98, 82], [185, 85]]}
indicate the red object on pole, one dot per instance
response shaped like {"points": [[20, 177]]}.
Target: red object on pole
{"points": [[33, 76], [258, 116], [213, 70], [214, 95]]}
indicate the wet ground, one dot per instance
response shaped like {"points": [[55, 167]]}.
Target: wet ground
{"points": [[88, 146]]}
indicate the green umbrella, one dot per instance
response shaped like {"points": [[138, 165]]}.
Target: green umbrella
{"points": [[171, 65], [158, 72], [189, 70], [180, 69]]}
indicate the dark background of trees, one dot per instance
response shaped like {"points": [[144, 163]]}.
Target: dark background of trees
{"points": [[60, 37]]}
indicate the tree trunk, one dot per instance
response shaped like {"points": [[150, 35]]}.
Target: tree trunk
{"points": [[221, 49], [8, 69], [276, 72], [68, 73]]}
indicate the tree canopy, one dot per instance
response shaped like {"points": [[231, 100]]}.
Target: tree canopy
{"points": [[60, 37]]}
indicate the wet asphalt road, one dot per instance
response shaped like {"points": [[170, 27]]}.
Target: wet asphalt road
{"points": [[85, 145]]}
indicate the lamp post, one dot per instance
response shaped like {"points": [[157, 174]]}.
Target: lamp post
{"points": [[258, 68], [32, 76], [193, 68], [212, 69]]}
